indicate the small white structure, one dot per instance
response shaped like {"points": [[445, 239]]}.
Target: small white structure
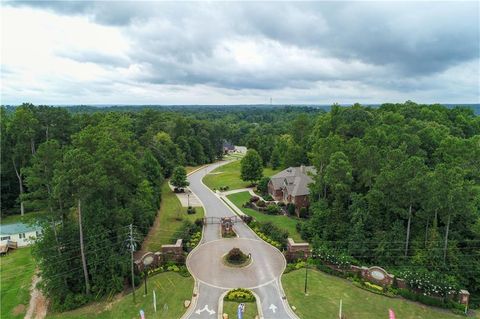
{"points": [[20, 233]]}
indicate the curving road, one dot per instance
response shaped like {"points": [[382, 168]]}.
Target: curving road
{"points": [[213, 278]]}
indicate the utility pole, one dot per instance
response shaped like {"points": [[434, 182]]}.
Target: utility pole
{"points": [[132, 247], [82, 251]]}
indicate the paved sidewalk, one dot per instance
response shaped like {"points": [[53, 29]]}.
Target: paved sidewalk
{"points": [[187, 197]]}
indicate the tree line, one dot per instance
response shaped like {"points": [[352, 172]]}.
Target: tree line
{"points": [[92, 174], [399, 187], [396, 186]]}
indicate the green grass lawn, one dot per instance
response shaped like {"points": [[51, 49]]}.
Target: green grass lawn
{"points": [[27, 218], [283, 222], [169, 219], [325, 292], [230, 308], [171, 290], [229, 175], [16, 273]]}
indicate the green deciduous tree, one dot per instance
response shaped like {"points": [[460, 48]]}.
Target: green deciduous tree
{"points": [[251, 166], [179, 177]]}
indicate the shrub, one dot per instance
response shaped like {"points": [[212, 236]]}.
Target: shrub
{"points": [[431, 283], [303, 212], [186, 232], [333, 257], [247, 219], [275, 233], [261, 203], [236, 256], [262, 185], [174, 268], [373, 286], [273, 209], [199, 222], [291, 209], [268, 197], [254, 199], [240, 295], [184, 271], [331, 271]]}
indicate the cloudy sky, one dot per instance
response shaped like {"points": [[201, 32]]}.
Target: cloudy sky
{"points": [[65, 52]]}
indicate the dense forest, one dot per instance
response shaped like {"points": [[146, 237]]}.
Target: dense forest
{"points": [[102, 171], [399, 187], [396, 185]]}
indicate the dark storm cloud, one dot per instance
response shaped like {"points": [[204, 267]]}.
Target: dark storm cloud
{"points": [[388, 45]]}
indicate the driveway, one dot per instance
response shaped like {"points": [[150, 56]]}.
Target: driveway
{"points": [[213, 278]]}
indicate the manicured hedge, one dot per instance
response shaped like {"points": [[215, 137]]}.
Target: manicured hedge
{"points": [[239, 295]]}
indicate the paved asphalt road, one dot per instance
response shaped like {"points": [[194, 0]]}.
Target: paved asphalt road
{"points": [[214, 278]]}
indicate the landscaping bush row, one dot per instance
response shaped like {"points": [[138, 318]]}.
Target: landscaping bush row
{"points": [[180, 269], [239, 295], [295, 266], [430, 301], [194, 240], [278, 237], [267, 239], [222, 188], [187, 231]]}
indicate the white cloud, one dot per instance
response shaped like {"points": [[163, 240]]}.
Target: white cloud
{"points": [[230, 53]]}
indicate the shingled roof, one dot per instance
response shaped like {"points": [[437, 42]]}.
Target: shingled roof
{"points": [[294, 179]]}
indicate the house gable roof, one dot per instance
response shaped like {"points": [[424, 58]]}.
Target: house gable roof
{"points": [[294, 180]]}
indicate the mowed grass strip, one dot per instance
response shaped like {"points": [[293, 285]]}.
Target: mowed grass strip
{"points": [[229, 175], [169, 220], [325, 292], [171, 290], [16, 271], [230, 308], [284, 222]]}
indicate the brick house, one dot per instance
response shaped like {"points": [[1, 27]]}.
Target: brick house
{"points": [[291, 186]]}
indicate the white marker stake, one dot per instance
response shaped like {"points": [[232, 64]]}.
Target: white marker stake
{"points": [[340, 311], [273, 308], [154, 301]]}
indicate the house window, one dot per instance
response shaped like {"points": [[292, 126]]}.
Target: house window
{"points": [[22, 235], [5, 238]]}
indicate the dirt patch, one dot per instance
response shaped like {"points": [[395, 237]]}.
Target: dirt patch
{"points": [[18, 310], [37, 309]]}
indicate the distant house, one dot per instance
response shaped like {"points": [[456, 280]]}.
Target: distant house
{"points": [[291, 186], [228, 147], [20, 233]]}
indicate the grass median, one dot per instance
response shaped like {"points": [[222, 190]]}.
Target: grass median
{"points": [[230, 308]]}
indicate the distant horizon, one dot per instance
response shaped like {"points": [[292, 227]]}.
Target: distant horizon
{"points": [[238, 104]]}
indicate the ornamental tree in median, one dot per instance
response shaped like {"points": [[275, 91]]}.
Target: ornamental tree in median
{"points": [[251, 166]]}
